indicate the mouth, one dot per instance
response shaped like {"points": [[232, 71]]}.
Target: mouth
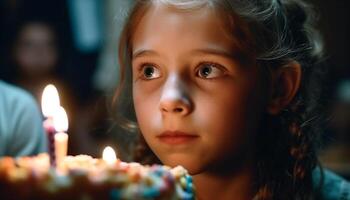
{"points": [[176, 137]]}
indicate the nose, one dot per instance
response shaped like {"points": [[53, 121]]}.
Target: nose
{"points": [[175, 98]]}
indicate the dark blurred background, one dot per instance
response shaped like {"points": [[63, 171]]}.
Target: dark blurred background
{"points": [[73, 44]]}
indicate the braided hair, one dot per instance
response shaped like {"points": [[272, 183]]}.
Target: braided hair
{"points": [[291, 25], [274, 32]]}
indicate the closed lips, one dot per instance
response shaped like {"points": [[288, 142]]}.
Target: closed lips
{"points": [[176, 137]]}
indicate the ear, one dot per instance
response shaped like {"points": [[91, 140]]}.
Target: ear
{"points": [[285, 84]]}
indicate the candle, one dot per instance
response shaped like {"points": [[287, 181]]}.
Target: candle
{"points": [[60, 121], [109, 156], [50, 102]]}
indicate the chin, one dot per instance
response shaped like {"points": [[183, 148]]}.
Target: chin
{"points": [[192, 165]]}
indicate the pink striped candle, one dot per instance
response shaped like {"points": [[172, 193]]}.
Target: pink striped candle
{"points": [[50, 103], [50, 133]]}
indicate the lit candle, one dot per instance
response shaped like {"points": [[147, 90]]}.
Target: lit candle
{"points": [[50, 102], [60, 121], [109, 156]]}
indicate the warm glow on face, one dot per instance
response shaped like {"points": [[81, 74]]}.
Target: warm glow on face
{"points": [[109, 155], [50, 101], [182, 87], [60, 120]]}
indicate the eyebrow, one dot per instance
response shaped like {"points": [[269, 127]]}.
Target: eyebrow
{"points": [[213, 51], [143, 52], [237, 55]]}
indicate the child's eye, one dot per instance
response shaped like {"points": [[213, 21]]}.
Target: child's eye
{"points": [[149, 71], [209, 70]]}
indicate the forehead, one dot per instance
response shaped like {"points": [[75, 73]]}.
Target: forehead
{"points": [[196, 28], [36, 31]]}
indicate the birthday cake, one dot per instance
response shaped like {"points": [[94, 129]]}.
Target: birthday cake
{"points": [[87, 178]]}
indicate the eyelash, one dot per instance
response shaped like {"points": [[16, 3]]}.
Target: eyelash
{"points": [[141, 67], [213, 64]]}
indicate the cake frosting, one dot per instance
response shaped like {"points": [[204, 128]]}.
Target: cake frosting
{"points": [[87, 178]]}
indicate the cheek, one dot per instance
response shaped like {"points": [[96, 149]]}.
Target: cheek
{"points": [[228, 104], [228, 118], [222, 116], [49, 58], [146, 108], [24, 57]]}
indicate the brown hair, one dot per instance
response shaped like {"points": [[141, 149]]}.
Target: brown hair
{"points": [[282, 31]]}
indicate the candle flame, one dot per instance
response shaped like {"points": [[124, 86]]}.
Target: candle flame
{"points": [[60, 120], [50, 100], [109, 155]]}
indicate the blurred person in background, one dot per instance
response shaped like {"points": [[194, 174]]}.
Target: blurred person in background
{"points": [[21, 128], [336, 153], [58, 42], [35, 62], [35, 57]]}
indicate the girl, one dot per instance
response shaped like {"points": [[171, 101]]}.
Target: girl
{"points": [[222, 88]]}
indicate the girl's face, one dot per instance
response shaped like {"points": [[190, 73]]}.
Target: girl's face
{"points": [[195, 104]]}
